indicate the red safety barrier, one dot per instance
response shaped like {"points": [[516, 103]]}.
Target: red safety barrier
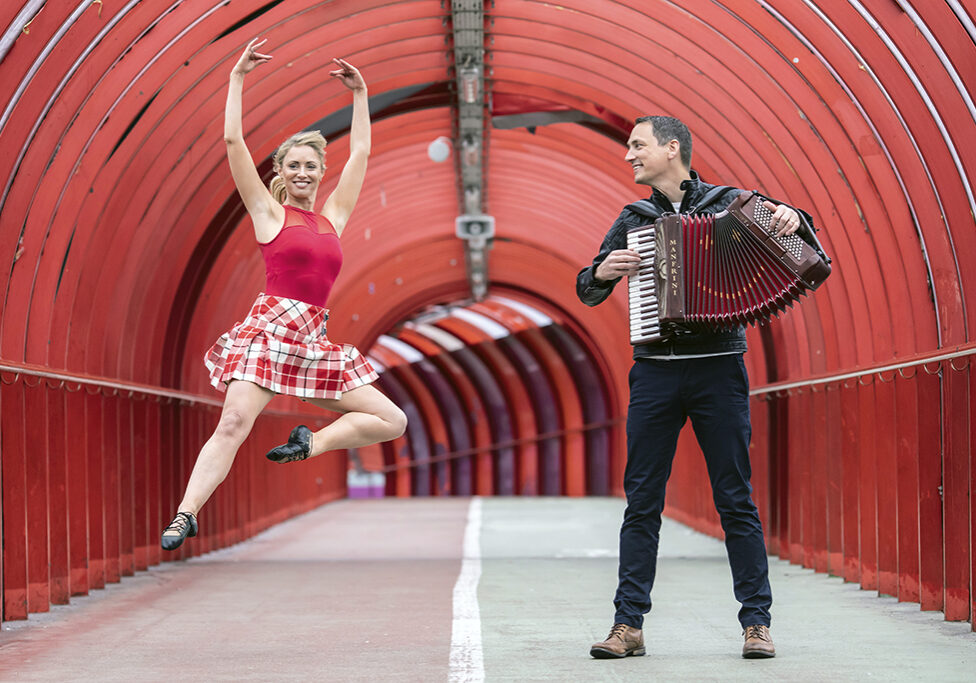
{"points": [[93, 469], [871, 474]]}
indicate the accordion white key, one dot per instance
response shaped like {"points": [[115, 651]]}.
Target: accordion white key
{"points": [[642, 287]]}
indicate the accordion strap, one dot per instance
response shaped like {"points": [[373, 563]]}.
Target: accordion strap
{"points": [[651, 210], [710, 197], [646, 208]]}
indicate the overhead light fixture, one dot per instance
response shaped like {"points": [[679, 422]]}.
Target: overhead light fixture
{"points": [[440, 149]]}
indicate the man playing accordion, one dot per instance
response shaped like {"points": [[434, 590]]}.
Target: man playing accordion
{"points": [[697, 374]]}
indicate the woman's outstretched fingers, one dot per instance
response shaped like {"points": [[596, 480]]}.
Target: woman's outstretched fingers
{"points": [[348, 74], [251, 58]]}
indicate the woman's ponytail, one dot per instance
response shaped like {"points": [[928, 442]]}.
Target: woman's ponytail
{"points": [[277, 189]]}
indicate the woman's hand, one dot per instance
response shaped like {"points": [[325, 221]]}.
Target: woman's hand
{"points": [[251, 58], [349, 75]]}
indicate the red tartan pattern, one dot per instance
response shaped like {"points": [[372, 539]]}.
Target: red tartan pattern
{"points": [[282, 346]]}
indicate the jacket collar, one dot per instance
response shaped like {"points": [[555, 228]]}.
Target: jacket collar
{"points": [[692, 188], [692, 184]]}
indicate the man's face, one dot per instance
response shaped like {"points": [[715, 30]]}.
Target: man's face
{"points": [[650, 160]]}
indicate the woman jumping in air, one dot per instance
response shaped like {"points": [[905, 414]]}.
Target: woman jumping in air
{"points": [[281, 347]]}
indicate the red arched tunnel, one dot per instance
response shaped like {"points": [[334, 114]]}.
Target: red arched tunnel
{"points": [[125, 252]]}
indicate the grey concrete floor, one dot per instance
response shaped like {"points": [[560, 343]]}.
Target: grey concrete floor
{"points": [[549, 574], [363, 591]]}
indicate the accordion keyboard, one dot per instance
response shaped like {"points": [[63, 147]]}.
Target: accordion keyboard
{"points": [[642, 288]]}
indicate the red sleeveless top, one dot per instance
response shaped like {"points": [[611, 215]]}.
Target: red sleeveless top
{"points": [[303, 260]]}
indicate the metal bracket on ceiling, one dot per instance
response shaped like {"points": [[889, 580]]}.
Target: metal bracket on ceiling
{"points": [[475, 228]]}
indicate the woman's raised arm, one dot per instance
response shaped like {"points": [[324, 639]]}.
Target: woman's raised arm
{"points": [[257, 199], [338, 207]]}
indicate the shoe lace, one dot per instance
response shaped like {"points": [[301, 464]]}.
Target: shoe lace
{"points": [[758, 631], [618, 631], [180, 523]]}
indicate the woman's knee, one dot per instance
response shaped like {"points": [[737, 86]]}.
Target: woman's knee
{"points": [[397, 420], [233, 425]]}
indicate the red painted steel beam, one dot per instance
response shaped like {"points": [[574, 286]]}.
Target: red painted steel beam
{"points": [[573, 466], [480, 464], [907, 459], [956, 492], [523, 477], [430, 478], [425, 426], [38, 563], [15, 507]]}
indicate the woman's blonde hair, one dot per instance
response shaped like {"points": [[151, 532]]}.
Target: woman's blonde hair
{"points": [[308, 138]]}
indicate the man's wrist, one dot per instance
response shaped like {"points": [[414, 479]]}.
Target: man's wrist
{"points": [[598, 282]]}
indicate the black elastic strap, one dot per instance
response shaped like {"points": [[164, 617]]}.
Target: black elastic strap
{"points": [[645, 208], [710, 197]]}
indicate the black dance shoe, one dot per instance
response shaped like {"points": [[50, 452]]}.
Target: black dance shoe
{"points": [[299, 446], [184, 524]]}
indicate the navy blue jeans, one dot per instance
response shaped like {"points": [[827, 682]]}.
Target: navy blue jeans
{"points": [[714, 393]]}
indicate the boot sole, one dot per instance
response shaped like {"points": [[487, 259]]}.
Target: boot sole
{"points": [[758, 654], [172, 546], [597, 653]]}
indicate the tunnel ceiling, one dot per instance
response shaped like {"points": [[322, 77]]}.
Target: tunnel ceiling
{"points": [[123, 249]]}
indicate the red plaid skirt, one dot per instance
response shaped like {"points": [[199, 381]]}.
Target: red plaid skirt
{"points": [[282, 346]]}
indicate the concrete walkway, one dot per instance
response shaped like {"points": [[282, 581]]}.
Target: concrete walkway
{"points": [[369, 591]]}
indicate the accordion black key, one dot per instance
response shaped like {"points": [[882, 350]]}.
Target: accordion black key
{"points": [[708, 272]]}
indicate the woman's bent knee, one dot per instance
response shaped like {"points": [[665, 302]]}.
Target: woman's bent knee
{"points": [[398, 423], [232, 426]]}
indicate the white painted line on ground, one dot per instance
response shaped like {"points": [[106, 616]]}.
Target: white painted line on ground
{"points": [[467, 657]]}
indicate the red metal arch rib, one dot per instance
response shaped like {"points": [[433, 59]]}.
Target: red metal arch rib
{"points": [[177, 146], [415, 445], [524, 477], [479, 464], [428, 478], [572, 444], [451, 476]]}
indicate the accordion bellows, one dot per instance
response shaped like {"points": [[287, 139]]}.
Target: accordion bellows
{"points": [[707, 272]]}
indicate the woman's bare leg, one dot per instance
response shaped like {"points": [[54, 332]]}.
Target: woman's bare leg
{"points": [[368, 417], [243, 403]]}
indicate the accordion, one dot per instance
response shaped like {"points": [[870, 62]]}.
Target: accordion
{"points": [[708, 272]]}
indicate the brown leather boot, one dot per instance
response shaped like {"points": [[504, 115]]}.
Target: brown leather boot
{"points": [[623, 640], [759, 644]]}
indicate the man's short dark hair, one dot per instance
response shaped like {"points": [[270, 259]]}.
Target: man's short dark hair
{"points": [[668, 128]]}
